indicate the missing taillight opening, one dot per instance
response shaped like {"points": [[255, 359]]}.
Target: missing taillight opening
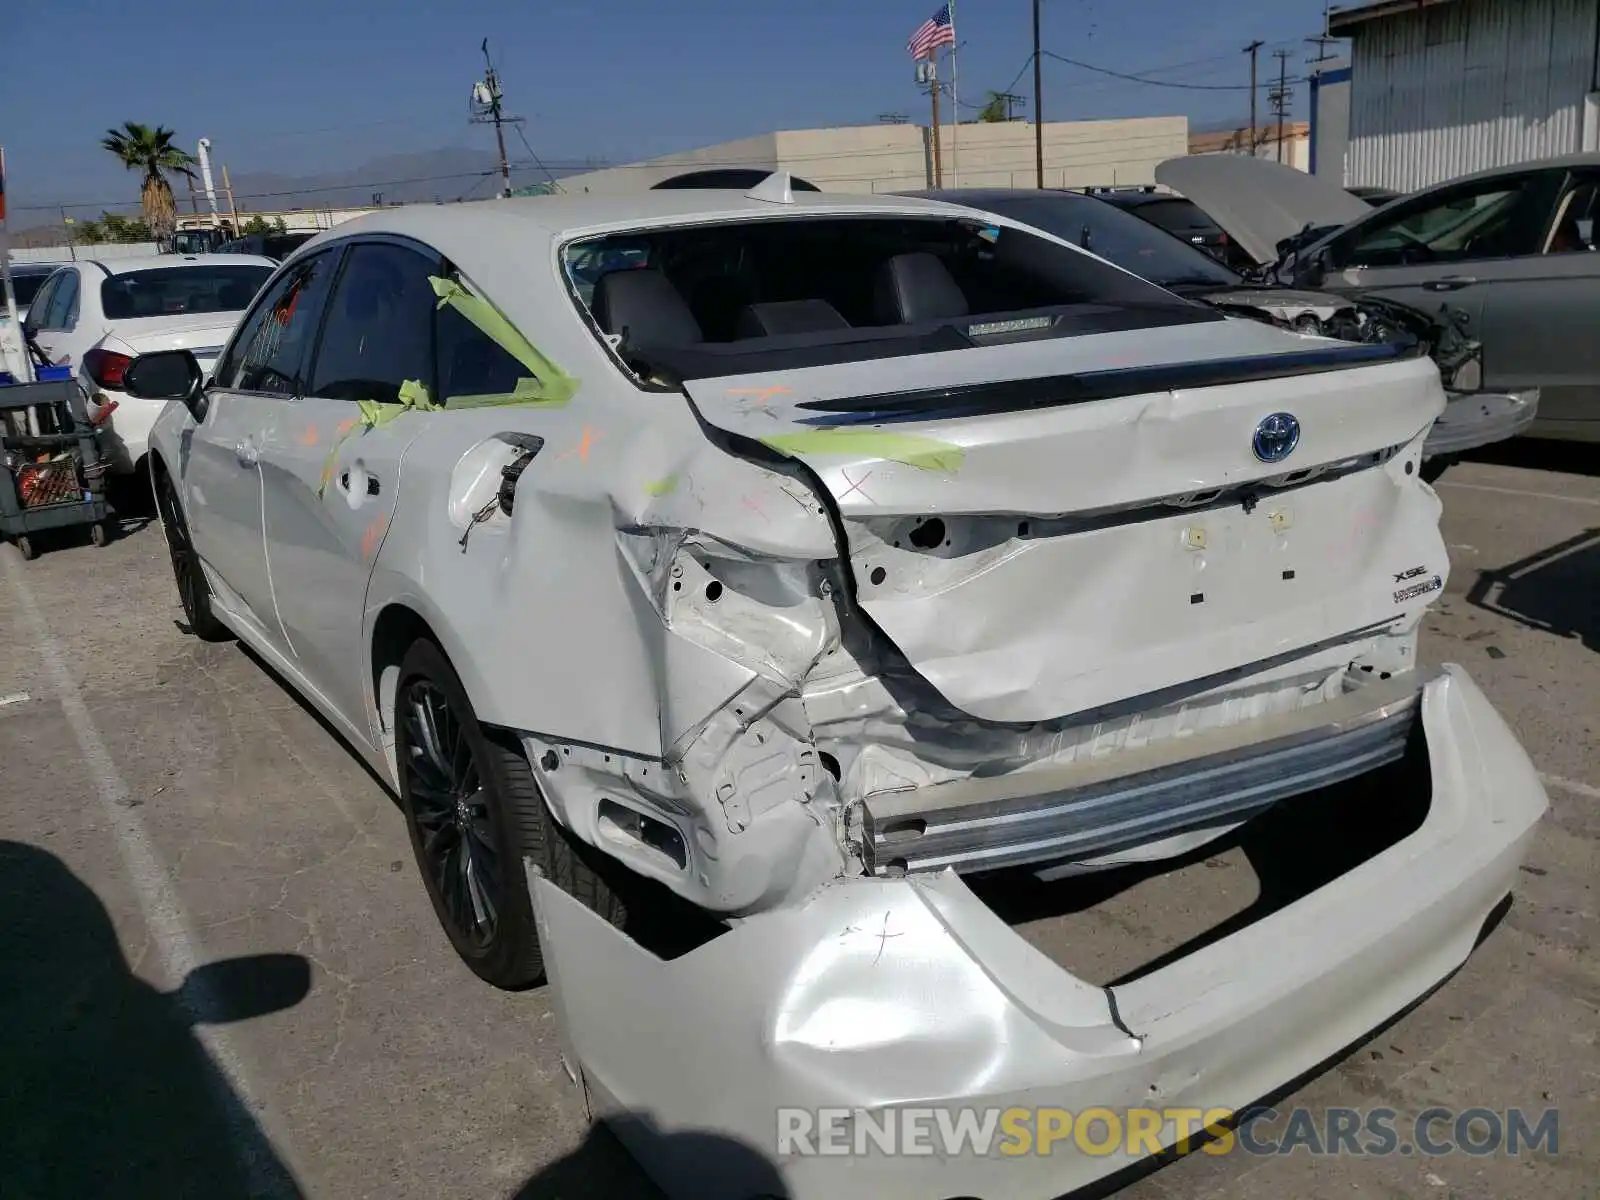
{"points": [[106, 367]]}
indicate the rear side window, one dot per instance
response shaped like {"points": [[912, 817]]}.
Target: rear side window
{"points": [[722, 299], [379, 332], [269, 352], [170, 291], [26, 287]]}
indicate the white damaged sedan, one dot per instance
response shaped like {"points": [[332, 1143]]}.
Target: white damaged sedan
{"points": [[813, 556]]}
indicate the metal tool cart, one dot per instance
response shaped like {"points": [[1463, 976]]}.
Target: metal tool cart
{"points": [[51, 473]]}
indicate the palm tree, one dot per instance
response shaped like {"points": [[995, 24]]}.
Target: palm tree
{"points": [[151, 150]]}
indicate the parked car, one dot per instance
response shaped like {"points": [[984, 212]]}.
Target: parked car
{"points": [[26, 280], [96, 314], [1471, 418], [1180, 217], [1512, 251], [276, 246], [1377, 197], [727, 178], [852, 547]]}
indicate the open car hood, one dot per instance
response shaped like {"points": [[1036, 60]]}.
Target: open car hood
{"points": [[1259, 203]]}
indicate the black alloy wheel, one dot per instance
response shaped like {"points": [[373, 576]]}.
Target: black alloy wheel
{"points": [[474, 811], [194, 593]]}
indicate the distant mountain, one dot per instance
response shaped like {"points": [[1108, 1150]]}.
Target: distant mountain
{"points": [[448, 174]]}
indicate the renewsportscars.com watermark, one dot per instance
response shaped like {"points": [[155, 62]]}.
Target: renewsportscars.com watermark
{"points": [[1137, 1132]]}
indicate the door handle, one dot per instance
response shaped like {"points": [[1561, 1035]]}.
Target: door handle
{"points": [[245, 451], [374, 484], [1450, 283]]}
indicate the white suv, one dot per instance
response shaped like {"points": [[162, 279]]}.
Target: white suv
{"points": [[96, 315]]}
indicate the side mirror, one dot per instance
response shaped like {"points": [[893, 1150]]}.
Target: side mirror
{"points": [[166, 375]]}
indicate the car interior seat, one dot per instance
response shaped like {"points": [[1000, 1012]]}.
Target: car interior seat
{"points": [[910, 288], [645, 309]]}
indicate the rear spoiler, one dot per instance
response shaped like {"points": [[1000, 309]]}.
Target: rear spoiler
{"points": [[1052, 391]]}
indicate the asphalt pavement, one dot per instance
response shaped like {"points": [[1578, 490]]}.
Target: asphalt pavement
{"points": [[219, 974]]}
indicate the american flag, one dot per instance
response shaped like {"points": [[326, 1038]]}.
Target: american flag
{"points": [[936, 31]]}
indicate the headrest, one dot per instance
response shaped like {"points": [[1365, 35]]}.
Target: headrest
{"points": [[789, 316], [916, 287], [643, 305]]}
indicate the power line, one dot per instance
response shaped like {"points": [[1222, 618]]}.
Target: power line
{"points": [[535, 157], [1145, 79]]}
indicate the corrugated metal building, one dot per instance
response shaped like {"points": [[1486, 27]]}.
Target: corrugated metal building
{"points": [[1441, 88]]}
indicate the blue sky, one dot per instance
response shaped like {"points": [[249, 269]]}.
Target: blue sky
{"points": [[299, 87]]}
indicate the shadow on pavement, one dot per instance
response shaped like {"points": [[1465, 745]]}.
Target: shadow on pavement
{"points": [[1556, 590], [1540, 454], [104, 1088], [692, 1166]]}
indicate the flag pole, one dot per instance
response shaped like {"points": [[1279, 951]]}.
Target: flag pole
{"points": [[955, 105]]}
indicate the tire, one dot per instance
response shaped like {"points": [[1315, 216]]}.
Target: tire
{"points": [[1432, 468], [194, 593], [26, 548], [470, 793], [100, 534]]}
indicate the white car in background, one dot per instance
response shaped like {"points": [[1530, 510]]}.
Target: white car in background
{"points": [[97, 315], [813, 557]]}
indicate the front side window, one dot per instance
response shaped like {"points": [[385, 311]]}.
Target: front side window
{"points": [[269, 352], [169, 291], [1487, 221], [64, 306], [379, 332], [686, 302]]}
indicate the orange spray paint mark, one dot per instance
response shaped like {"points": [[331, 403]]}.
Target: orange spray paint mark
{"points": [[372, 536], [309, 437], [762, 395], [585, 444], [347, 425]]}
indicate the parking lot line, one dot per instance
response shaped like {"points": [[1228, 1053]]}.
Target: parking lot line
{"points": [[1571, 785], [163, 913], [1484, 487]]}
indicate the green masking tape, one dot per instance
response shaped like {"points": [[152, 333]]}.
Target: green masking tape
{"points": [[925, 453]]}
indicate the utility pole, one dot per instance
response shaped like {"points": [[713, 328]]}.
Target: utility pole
{"points": [[486, 98], [1038, 105], [1280, 97], [1010, 100], [227, 186], [1254, 51], [928, 76]]}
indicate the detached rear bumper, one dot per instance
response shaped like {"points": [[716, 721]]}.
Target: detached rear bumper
{"points": [[887, 994], [1476, 419]]}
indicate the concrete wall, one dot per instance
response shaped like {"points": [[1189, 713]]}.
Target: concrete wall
{"points": [[1450, 89], [110, 250], [888, 158], [754, 152]]}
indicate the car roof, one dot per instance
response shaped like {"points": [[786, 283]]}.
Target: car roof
{"points": [[979, 196], [156, 262], [47, 268], [451, 226]]}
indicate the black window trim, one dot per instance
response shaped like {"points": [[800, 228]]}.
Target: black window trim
{"points": [[347, 247], [261, 298]]}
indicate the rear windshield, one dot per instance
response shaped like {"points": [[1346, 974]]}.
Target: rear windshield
{"points": [[730, 298], [168, 291]]}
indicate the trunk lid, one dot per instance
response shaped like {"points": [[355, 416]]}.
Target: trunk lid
{"points": [[1259, 203], [203, 335], [1046, 528]]}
